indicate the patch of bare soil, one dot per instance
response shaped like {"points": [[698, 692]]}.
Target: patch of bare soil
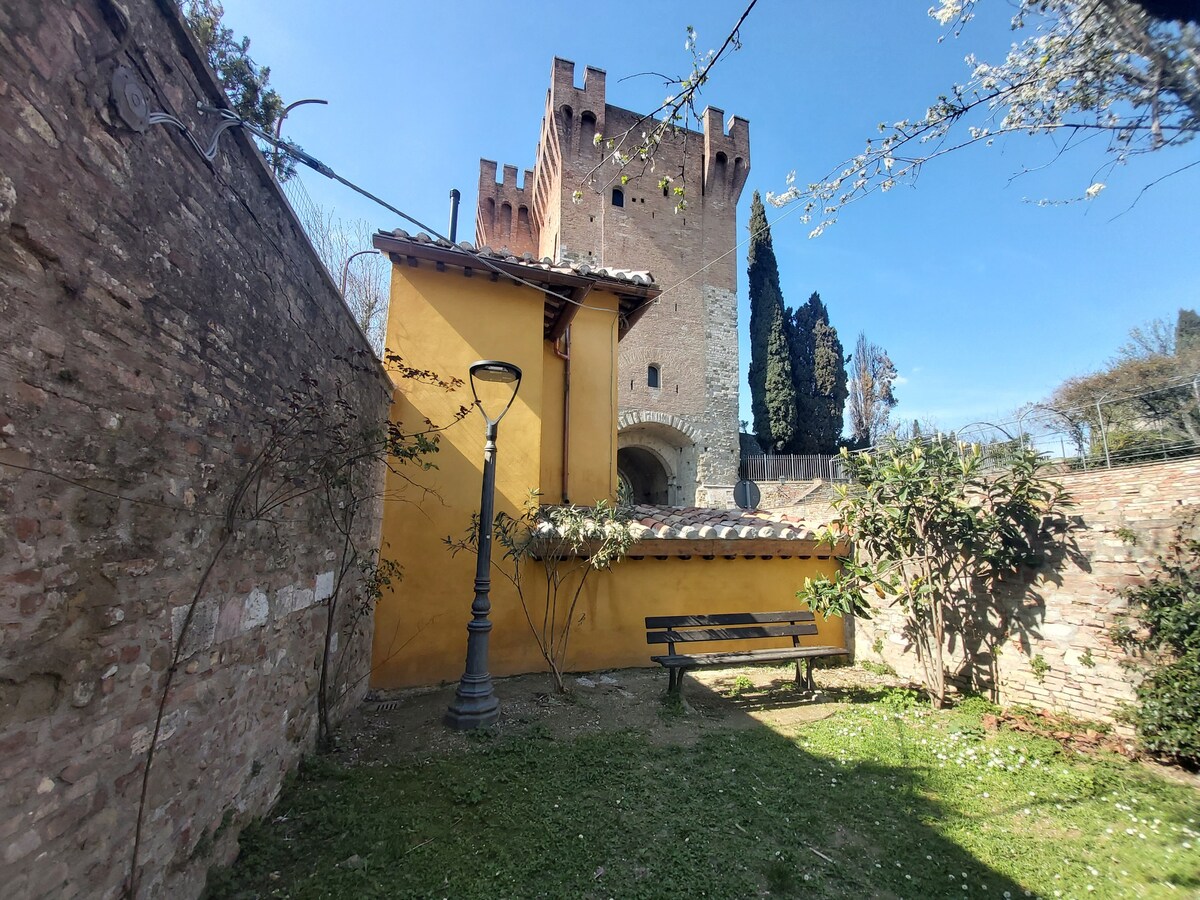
{"points": [[397, 724]]}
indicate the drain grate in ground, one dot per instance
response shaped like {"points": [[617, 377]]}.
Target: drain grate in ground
{"points": [[386, 706]]}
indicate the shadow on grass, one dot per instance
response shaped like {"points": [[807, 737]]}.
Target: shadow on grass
{"points": [[782, 692], [740, 812]]}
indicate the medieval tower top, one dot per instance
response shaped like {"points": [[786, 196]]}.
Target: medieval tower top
{"points": [[678, 370]]}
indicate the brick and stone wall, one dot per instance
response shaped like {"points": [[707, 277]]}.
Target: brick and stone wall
{"points": [[155, 312], [1120, 520]]}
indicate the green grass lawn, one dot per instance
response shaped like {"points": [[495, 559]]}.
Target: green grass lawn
{"points": [[883, 799]]}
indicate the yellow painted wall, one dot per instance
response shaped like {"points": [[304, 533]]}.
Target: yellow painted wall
{"points": [[593, 444], [443, 321]]}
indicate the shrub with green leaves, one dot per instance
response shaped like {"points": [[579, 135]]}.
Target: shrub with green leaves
{"points": [[1167, 627], [932, 525], [570, 542]]}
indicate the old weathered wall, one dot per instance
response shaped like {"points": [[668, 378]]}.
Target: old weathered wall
{"points": [[1064, 613], [155, 313]]}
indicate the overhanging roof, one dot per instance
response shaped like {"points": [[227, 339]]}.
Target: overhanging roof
{"points": [[563, 287]]}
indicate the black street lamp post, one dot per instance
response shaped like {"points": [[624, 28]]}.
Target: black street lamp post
{"points": [[475, 703]]}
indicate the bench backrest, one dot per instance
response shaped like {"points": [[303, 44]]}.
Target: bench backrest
{"points": [[671, 630]]}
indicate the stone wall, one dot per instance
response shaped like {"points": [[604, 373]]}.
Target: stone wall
{"points": [[155, 312], [1119, 521]]}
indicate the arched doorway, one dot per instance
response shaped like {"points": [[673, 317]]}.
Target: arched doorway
{"points": [[656, 458], [643, 474]]}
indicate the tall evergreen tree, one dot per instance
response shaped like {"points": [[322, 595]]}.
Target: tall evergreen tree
{"points": [[1187, 332], [802, 349], [819, 373], [772, 390], [829, 381]]}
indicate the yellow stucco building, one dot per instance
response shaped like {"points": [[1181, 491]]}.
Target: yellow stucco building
{"points": [[561, 326]]}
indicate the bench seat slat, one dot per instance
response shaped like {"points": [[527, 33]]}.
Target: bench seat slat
{"points": [[750, 618], [751, 632], [748, 656]]}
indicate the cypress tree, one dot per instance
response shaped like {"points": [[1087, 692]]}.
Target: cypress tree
{"points": [[1187, 332], [772, 392], [802, 350], [829, 381], [819, 374]]}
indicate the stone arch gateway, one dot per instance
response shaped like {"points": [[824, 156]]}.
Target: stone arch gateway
{"points": [[657, 457]]}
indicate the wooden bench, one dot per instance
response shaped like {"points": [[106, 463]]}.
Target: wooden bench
{"points": [[672, 630]]}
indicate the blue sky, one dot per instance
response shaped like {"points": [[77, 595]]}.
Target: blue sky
{"points": [[983, 299]]}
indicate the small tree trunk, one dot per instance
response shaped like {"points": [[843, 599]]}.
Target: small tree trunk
{"points": [[937, 664]]}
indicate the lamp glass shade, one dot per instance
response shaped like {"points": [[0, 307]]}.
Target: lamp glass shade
{"points": [[503, 373]]}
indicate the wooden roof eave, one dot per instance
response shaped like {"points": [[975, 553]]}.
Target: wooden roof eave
{"points": [[524, 271], [633, 299]]}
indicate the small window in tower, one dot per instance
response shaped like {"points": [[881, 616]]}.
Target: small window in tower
{"points": [[618, 197], [587, 133], [653, 377]]}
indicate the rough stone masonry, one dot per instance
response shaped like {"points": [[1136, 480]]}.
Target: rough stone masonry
{"points": [[155, 312]]}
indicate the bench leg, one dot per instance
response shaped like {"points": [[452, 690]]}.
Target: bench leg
{"points": [[675, 686], [812, 685]]}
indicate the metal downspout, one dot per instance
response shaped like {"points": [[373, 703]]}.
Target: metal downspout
{"points": [[565, 356]]}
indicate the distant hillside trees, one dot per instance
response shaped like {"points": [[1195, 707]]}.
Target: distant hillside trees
{"points": [[1148, 395], [797, 366], [872, 375]]}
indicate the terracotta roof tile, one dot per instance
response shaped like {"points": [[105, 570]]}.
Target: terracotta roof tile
{"points": [[698, 523], [630, 276]]}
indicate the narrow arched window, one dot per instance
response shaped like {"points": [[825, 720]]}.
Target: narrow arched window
{"points": [[653, 377], [587, 133], [618, 197], [568, 120]]}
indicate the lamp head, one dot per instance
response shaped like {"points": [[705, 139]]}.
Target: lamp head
{"points": [[495, 372]]}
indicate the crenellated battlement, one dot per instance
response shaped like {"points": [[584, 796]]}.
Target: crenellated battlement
{"points": [[504, 215], [681, 362], [726, 155]]}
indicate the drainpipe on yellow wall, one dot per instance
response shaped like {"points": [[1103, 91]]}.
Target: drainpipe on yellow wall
{"points": [[565, 355]]}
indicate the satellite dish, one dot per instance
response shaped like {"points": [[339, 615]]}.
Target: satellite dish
{"points": [[746, 494]]}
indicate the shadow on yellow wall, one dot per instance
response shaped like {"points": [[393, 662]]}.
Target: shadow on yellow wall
{"points": [[442, 321]]}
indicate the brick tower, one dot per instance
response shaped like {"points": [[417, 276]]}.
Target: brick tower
{"points": [[678, 370]]}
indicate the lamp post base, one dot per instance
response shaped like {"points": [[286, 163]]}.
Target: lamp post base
{"points": [[474, 706]]}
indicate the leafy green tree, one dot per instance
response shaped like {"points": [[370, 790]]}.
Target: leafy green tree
{"points": [[569, 543], [246, 84], [1167, 628], [931, 529], [772, 391]]}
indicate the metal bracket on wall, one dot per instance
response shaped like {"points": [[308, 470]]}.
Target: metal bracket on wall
{"points": [[129, 96], [130, 99]]}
